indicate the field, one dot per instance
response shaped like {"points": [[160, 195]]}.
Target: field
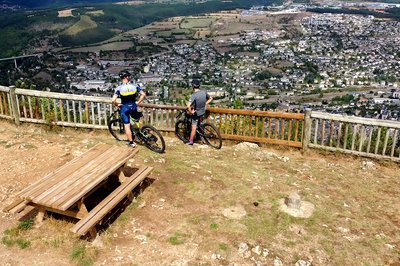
{"points": [[65, 13], [209, 207], [134, 3], [114, 46], [85, 23], [95, 13], [220, 28], [49, 26], [196, 22]]}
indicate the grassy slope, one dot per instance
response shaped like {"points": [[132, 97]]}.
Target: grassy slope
{"points": [[85, 23], [356, 220]]}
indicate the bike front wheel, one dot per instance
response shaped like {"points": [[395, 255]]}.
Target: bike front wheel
{"points": [[117, 130], [212, 136], [181, 131], [152, 138]]}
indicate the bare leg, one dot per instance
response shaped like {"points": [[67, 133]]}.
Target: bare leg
{"points": [[193, 133], [128, 132]]}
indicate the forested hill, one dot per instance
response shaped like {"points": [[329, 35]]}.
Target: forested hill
{"points": [[53, 3], [20, 28], [70, 3]]}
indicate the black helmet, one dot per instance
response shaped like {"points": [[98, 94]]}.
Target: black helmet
{"points": [[125, 74], [196, 83]]}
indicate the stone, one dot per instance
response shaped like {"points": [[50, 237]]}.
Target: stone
{"points": [[216, 256], [244, 250], [203, 146], [343, 230], [293, 201], [243, 247], [302, 263], [246, 146], [367, 165], [284, 159], [257, 249], [277, 262], [390, 246], [295, 207]]}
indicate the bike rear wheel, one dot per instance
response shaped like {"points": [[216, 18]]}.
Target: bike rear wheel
{"points": [[152, 138], [182, 131], [117, 130], [212, 136]]}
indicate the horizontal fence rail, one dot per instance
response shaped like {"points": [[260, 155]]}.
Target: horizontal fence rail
{"points": [[354, 135]]}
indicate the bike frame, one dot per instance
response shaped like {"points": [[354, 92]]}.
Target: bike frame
{"points": [[186, 119]]}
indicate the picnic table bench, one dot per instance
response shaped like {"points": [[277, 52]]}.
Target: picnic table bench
{"points": [[64, 190]]}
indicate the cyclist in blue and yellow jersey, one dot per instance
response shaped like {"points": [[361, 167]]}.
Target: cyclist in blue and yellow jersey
{"points": [[128, 92]]}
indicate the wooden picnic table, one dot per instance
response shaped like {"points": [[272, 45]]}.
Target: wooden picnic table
{"points": [[64, 190]]}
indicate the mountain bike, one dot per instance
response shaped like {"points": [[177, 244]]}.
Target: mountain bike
{"points": [[146, 135], [205, 131]]}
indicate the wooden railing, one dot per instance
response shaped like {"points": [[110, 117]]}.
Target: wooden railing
{"points": [[5, 103], [354, 135], [347, 134], [93, 112], [242, 125], [60, 109], [259, 126]]}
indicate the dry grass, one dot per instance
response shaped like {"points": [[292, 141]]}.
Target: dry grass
{"points": [[114, 46], [85, 23], [356, 219]]}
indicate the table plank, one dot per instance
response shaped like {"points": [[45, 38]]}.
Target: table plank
{"points": [[92, 180], [54, 177], [112, 200], [58, 188], [77, 185]]}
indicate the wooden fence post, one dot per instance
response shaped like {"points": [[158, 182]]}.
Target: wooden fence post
{"points": [[14, 105], [307, 130]]}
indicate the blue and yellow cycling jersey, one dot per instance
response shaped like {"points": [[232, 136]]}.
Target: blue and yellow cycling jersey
{"points": [[128, 92]]}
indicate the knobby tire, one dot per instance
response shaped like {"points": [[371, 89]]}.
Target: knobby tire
{"points": [[116, 128], [212, 136], [181, 131], [152, 139]]}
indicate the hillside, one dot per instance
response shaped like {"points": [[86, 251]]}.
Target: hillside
{"points": [[210, 207], [52, 3], [19, 29]]}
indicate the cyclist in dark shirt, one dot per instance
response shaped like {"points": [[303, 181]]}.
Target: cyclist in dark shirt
{"points": [[128, 92], [197, 107]]}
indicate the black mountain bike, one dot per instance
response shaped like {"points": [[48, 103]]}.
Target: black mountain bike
{"points": [[205, 131], [146, 135]]}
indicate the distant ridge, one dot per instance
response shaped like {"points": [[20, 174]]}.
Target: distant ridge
{"points": [[56, 3]]}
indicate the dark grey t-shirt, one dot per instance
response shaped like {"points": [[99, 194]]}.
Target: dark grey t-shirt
{"points": [[198, 101]]}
